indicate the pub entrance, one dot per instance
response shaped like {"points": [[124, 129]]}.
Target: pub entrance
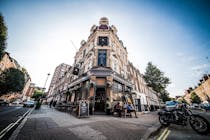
{"points": [[100, 100]]}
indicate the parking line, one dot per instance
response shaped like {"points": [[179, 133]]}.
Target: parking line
{"points": [[163, 134], [166, 135]]}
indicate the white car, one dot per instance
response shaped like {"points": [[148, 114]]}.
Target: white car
{"points": [[29, 104]]}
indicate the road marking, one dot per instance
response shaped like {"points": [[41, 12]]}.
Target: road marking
{"points": [[5, 129], [163, 134], [11, 125], [166, 135], [87, 133], [17, 130]]}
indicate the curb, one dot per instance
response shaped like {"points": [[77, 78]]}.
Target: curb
{"points": [[152, 130], [17, 130]]}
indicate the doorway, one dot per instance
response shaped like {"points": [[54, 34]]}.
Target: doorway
{"points": [[138, 104], [100, 100]]}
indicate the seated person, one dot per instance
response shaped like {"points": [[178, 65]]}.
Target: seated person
{"points": [[118, 109], [129, 108]]}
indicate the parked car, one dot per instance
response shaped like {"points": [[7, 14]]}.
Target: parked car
{"points": [[16, 102], [170, 105], [205, 106], [29, 104], [3, 102], [194, 106]]}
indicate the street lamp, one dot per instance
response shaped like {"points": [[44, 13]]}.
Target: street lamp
{"points": [[46, 81], [43, 89]]}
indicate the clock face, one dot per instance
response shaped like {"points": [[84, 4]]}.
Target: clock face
{"points": [[103, 40]]}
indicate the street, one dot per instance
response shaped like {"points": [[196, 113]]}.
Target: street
{"points": [[10, 114], [178, 132], [48, 123]]}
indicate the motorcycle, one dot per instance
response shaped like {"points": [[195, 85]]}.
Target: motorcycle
{"points": [[181, 115]]}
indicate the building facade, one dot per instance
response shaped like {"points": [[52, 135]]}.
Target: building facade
{"points": [[202, 90], [9, 62], [59, 73], [102, 74]]}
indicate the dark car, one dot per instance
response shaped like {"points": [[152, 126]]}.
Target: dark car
{"points": [[3, 102], [205, 106]]}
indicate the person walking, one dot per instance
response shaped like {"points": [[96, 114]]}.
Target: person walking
{"points": [[54, 103], [51, 103]]}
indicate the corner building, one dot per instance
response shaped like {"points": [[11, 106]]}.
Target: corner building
{"points": [[102, 73]]}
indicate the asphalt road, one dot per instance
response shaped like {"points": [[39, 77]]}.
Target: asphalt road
{"points": [[10, 114], [178, 132]]}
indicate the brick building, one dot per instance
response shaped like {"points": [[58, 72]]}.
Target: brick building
{"points": [[202, 89], [9, 62]]}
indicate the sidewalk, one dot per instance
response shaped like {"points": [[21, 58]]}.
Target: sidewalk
{"points": [[50, 124]]}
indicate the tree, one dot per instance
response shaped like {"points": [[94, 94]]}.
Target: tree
{"points": [[182, 100], [11, 80], [155, 78], [3, 36], [195, 98]]}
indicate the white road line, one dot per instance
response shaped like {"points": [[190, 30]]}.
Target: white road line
{"points": [[87, 133], [11, 125]]}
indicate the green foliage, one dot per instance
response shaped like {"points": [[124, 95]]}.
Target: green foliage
{"points": [[3, 36], [195, 98], [182, 100], [11, 80], [156, 79], [37, 94], [164, 95]]}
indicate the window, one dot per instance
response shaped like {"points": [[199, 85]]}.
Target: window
{"points": [[117, 87], [84, 53], [103, 41], [102, 58], [115, 65]]}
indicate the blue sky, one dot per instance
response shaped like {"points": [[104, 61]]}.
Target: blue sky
{"points": [[173, 34]]}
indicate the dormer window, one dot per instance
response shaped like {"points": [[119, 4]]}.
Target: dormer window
{"points": [[103, 27]]}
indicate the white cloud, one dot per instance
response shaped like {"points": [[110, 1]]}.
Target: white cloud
{"points": [[200, 67], [191, 58], [180, 54]]}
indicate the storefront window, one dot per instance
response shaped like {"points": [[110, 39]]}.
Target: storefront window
{"points": [[117, 90]]}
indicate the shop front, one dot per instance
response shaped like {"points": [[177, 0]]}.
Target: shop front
{"points": [[101, 88]]}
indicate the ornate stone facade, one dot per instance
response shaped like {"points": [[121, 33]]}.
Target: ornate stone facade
{"points": [[101, 72]]}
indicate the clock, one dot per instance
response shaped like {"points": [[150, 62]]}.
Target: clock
{"points": [[103, 40]]}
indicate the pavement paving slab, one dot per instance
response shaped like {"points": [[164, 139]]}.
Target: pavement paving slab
{"points": [[50, 124]]}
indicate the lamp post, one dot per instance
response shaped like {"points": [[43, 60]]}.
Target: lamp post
{"points": [[46, 81], [43, 89]]}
